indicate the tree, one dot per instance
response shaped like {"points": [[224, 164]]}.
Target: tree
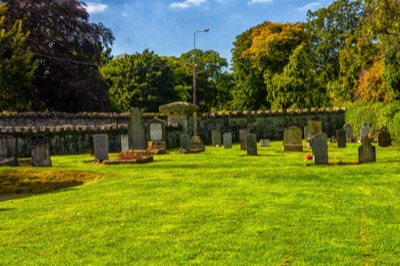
{"points": [[298, 85], [334, 31], [212, 79], [139, 80], [69, 49], [17, 66]]}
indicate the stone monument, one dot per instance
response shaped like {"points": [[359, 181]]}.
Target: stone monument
{"points": [[251, 144], [364, 131], [137, 131], [100, 147], [156, 136], [292, 139], [384, 138], [320, 148], [7, 151], [216, 138], [227, 136], [366, 152], [341, 138]]}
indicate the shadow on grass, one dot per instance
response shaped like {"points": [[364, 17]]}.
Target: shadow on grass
{"points": [[22, 182]]}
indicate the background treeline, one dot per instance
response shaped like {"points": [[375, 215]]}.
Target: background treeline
{"points": [[347, 54]]}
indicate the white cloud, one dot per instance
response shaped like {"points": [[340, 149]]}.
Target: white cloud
{"points": [[95, 7], [188, 3], [252, 2], [310, 6]]}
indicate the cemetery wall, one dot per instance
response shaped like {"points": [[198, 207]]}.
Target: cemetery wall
{"points": [[73, 133]]}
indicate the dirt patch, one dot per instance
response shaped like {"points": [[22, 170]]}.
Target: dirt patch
{"points": [[16, 181]]}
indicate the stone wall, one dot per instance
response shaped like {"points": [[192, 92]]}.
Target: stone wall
{"points": [[73, 133]]}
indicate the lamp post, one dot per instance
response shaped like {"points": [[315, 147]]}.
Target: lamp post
{"points": [[195, 133]]}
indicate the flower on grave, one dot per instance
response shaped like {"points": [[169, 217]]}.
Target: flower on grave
{"points": [[309, 157]]}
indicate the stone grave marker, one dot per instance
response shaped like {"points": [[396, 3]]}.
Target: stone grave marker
{"points": [[156, 136], [366, 152], [292, 139], [251, 144], [364, 131], [41, 155], [243, 138], [216, 137], [384, 138], [185, 141], [265, 143], [137, 131], [100, 147], [305, 132], [124, 142], [227, 136], [341, 138], [7, 151], [349, 132], [320, 148], [313, 127]]}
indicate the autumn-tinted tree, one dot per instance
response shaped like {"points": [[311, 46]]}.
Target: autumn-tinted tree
{"points": [[17, 66], [69, 49], [139, 80], [259, 54]]}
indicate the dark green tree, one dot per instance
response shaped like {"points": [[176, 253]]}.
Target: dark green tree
{"points": [[69, 49], [17, 66]]}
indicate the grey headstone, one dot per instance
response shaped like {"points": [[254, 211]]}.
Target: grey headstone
{"points": [[185, 141], [292, 139], [100, 146], [264, 142], [137, 131], [341, 138], [366, 152], [349, 132], [384, 138], [216, 137], [156, 130], [364, 131], [124, 142], [320, 147], [305, 132], [7, 151], [243, 138], [227, 140], [41, 155], [251, 144]]}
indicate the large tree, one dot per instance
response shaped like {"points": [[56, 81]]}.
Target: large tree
{"points": [[69, 49], [141, 80], [17, 66]]}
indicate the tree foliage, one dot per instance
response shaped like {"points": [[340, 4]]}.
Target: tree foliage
{"points": [[139, 80], [17, 66], [69, 49]]}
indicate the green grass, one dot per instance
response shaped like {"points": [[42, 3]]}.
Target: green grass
{"points": [[219, 207]]}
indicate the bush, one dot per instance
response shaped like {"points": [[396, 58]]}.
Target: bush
{"points": [[378, 115]]}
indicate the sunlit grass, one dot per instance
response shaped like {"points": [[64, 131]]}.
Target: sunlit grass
{"points": [[217, 207]]}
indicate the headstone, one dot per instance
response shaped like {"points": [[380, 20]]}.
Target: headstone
{"points": [[364, 131], [264, 143], [305, 132], [349, 132], [384, 138], [41, 155], [313, 127], [243, 138], [251, 144], [100, 147], [185, 141], [216, 137], [320, 147], [292, 139], [341, 138], [124, 142], [196, 144], [156, 136], [227, 136], [366, 152], [136, 131], [7, 151]]}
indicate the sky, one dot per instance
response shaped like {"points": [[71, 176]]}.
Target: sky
{"points": [[167, 27]]}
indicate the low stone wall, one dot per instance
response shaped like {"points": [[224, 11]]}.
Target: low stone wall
{"points": [[73, 133]]}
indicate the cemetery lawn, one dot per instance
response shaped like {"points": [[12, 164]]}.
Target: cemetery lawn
{"points": [[219, 207]]}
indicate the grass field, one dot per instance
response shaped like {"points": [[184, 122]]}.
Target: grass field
{"points": [[219, 207]]}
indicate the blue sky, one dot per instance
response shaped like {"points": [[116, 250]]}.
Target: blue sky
{"points": [[167, 26]]}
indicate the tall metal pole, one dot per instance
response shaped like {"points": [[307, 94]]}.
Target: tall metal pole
{"points": [[195, 132]]}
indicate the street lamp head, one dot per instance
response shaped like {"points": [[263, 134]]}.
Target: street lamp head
{"points": [[205, 29]]}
